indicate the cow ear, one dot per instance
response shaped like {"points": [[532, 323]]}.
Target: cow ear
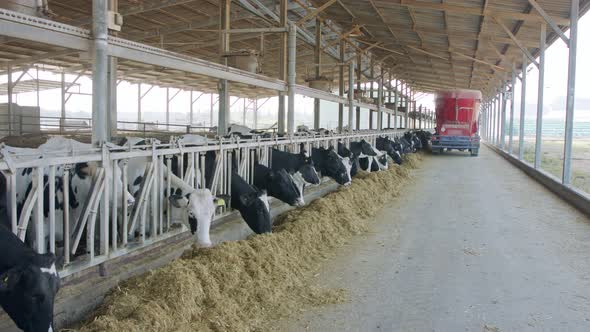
{"points": [[10, 279]]}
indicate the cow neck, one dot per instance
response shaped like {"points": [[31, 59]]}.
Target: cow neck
{"points": [[177, 182]]}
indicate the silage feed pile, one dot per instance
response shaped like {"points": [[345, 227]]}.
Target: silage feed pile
{"points": [[245, 285]]}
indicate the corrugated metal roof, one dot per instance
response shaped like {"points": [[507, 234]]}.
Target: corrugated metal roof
{"points": [[429, 43]]}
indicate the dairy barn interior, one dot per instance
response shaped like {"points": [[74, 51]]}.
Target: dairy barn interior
{"points": [[138, 218]]}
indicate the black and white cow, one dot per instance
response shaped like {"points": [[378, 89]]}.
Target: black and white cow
{"points": [[279, 184], [28, 284], [80, 182], [305, 130], [424, 137], [330, 164], [236, 130], [251, 202], [199, 203], [389, 146], [364, 152], [380, 162], [413, 140], [345, 152], [362, 148], [299, 165], [407, 146]]}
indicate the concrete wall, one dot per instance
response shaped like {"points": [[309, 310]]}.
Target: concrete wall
{"points": [[573, 196]]}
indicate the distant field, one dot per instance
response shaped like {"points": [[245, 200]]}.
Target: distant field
{"points": [[552, 160]]}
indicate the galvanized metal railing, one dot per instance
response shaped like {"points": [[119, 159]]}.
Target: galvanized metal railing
{"points": [[112, 228]]}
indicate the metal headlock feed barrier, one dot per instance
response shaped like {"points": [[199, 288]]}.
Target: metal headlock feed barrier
{"points": [[112, 227]]}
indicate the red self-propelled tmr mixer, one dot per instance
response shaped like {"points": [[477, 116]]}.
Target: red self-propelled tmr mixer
{"points": [[457, 113]]}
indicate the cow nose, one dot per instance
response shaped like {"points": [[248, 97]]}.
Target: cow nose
{"points": [[348, 183], [130, 201], [300, 202]]}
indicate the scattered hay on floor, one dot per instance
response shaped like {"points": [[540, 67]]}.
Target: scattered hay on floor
{"points": [[244, 285], [413, 160]]}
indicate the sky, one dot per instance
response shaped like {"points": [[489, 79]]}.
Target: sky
{"points": [[153, 105]]}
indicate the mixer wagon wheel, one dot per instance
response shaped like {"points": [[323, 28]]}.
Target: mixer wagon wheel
{"points": [[474, 152]]}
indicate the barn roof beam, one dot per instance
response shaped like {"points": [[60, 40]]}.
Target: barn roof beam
{"points": [[457, 9], [549, 21], [38, 57], [452, 33], [516, 41], [314, 13], [187, 26]]}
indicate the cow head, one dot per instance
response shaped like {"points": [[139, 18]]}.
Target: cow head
{"points": [[256, 211], [201, 206], [336, 167], [283, 187], [367, 149], [380, 160], [307, 170], [396, 156], [27, 293]]}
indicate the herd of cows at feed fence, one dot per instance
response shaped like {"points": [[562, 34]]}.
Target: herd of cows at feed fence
{"points": [[53, 207]]}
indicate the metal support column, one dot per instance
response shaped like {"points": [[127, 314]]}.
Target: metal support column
{"points": [[358, 88], [371, 93], [190, 114], [511, 124], [350, 95], [498, 116], [37, 86], [341, 85], [211, 110], [407, 106], [396, 105], [503, 117], [244, 113], [494, 119], [318, 60], [62, 120], [539, 132], [420, 117], [372, 78], [113, 6], [138, 104], [571, 92], [282, 65], [223, 116], [389, 95], [9, 91], [380, 101], [99, 72], [292, 41], [256, 113], [112, 93], [167, 109], [522, 108]]}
